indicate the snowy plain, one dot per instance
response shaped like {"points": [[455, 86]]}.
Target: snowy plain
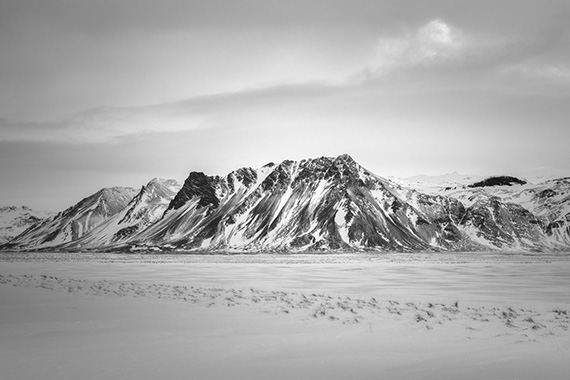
{"points": [[285, 316]]}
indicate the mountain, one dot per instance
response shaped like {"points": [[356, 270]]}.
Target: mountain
{"points": [[335, 204], [321, 204], [316, 204], [507, 212], [74, 222], [14, 220], [143, 210]]}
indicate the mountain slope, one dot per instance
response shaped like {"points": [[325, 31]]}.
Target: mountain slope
{"points": [[509, 213], [76, 221], [547, 205], [15, 220], [144, 209]]}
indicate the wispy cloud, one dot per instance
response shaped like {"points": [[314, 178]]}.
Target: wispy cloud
{"points": [[98, 125], [114, 124], [432, 43], [556, 73]]}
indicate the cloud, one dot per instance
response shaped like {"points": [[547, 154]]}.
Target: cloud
{"points": [[556, 73], [97, 125], [437, 40], [115, 124], [432, 43], [441, 55], [450, 56]]}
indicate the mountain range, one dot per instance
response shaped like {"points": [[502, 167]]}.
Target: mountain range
{"points": [[321, 204]]}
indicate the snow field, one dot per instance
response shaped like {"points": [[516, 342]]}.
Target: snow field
{"points": [[399, 316]]}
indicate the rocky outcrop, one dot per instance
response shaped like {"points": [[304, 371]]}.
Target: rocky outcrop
{"points": [[499, 181]]}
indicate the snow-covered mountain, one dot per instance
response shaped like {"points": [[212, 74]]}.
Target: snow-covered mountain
{"points": [[334, 203], [539, 213], [76, 221], [324, 204], [316, 204], [15, 220], [143, 210]]}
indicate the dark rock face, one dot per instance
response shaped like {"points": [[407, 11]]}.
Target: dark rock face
{"points": [[502, 223], [279, 178], [247, 176], [200, 186], [548, 193], [498, 181], [126, 232]]}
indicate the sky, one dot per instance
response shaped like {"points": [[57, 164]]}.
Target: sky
{"points": [[116, 92]]}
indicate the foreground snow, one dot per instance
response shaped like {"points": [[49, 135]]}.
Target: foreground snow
{"points": [[281, 317]]}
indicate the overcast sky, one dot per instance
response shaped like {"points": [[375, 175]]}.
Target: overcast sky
{"points": [[116, 92]]}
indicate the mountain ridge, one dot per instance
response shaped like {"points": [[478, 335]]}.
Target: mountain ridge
{"points": [[333, 204], [75, 221]]}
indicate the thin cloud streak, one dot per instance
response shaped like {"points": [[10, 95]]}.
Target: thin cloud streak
{"points": [[437, 53], [106, 124]]}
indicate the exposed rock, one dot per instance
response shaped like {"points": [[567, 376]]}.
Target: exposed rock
{"points": [[499, 181]]}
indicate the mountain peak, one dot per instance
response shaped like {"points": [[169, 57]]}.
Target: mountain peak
{"points": [[157, 180], [199, 185], [162, 183], [343, 158], [76, 220], [14, 208], [110, 192], [346, 158]]}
